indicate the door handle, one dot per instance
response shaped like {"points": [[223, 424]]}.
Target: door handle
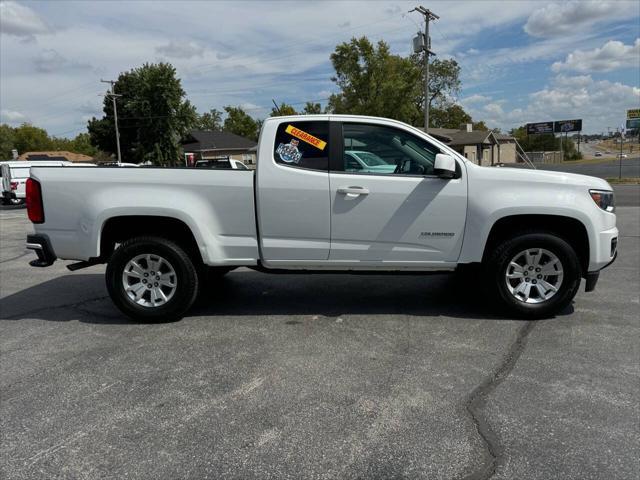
{"points": [[353, 191]]}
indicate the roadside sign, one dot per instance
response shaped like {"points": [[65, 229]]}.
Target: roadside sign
{"points": [[633, 113], [564, 126], [540, 127]]}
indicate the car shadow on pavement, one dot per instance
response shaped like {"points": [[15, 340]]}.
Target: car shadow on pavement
{"points": [[83, 297]]}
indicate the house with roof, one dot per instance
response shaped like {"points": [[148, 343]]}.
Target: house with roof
{"points": [[482, 147], [212, 145], [56, 155]]}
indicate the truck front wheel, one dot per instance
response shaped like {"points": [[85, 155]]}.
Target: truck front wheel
{"points": [[151, 279], [534, 275]]}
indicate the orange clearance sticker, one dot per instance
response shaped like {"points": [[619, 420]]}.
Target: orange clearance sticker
{"points": [[306, 137]]}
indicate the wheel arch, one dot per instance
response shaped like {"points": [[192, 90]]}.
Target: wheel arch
{"points": [[570, 229], [117, 229]]}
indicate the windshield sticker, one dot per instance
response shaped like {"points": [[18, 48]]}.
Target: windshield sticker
{"points": [[306, 137], [289, 152]]}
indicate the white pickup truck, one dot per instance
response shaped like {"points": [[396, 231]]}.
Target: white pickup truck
{"points": [[531, 234]]}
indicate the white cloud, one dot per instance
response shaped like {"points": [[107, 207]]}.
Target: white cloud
{"points": [[570, 17], [49, 60], [181, 49], [473, 99], [597, 102], [20, 20], [612, 55], [11, 116]]}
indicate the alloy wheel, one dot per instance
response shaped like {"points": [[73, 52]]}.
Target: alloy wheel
{"points": [[534, 275], [149, 280]]}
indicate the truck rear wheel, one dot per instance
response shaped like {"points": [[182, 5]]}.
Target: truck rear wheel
{"points": [[152, 279], [534, 275]]}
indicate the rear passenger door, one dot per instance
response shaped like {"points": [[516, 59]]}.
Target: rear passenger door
{"points": [[293, 193]]}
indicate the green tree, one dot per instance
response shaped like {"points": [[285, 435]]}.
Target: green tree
{"points": [[283, 110], [372, 81], [7, 141], [211, 120], [311, 108], [241, 123], [444, 82], [153, 116], [451, 116], [28, 138]]}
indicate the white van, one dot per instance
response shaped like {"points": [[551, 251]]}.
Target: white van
{"points": [[15, 174]]}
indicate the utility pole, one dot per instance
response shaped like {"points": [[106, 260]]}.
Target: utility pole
{"points": [[113, 97], [426, 47]]}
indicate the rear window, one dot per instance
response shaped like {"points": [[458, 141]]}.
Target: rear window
{"points": [[303, 145]]}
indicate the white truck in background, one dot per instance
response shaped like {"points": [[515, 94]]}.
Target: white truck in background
{"points": [[15, 173], [308, 206]]}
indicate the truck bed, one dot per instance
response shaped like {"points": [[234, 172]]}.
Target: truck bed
{"points": [[217, 205]]}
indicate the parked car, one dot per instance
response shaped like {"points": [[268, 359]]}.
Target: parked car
{"points": [[14, 177], [221, 164], [366, 162], [529, 235]]}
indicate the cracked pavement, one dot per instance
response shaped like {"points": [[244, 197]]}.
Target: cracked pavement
{"points": [[293, 376]]}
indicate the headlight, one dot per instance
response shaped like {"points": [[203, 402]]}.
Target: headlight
{"points": [[604, 199]]}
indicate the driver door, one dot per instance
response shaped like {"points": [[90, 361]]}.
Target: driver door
{"points": [[387, 206]]}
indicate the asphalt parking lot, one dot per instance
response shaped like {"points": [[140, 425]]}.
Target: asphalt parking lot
{"points": [[294, 376]]}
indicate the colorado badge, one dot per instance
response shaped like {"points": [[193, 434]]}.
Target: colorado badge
{"points": [[289, 152]]}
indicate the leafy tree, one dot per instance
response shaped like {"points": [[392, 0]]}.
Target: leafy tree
{"points": [[211, 120], [29, 138], [80, 144], [372, 81], [153, 116], [448, 117], [241, 123], [444, 82], [283, 110], [311, 108], [375, 82], [7, 141]]}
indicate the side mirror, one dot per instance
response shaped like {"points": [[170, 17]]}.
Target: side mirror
{"points": [[444, 166]]}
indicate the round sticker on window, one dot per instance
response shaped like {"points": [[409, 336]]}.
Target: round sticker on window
{"points": [[289, 152]]}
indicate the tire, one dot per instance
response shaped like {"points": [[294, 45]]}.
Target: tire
{"points": [[534, 290], [175, 284]]}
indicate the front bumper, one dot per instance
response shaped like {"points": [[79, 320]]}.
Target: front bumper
{"points": [[40, 244], [591, 278]]}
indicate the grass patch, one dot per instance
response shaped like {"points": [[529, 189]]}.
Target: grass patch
{"points": [[624, 181]]}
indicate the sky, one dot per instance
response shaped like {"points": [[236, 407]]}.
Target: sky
{"points": [[521, 61]]}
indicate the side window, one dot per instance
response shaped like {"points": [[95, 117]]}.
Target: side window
{"points": [[303, 145], [377, 149]]}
